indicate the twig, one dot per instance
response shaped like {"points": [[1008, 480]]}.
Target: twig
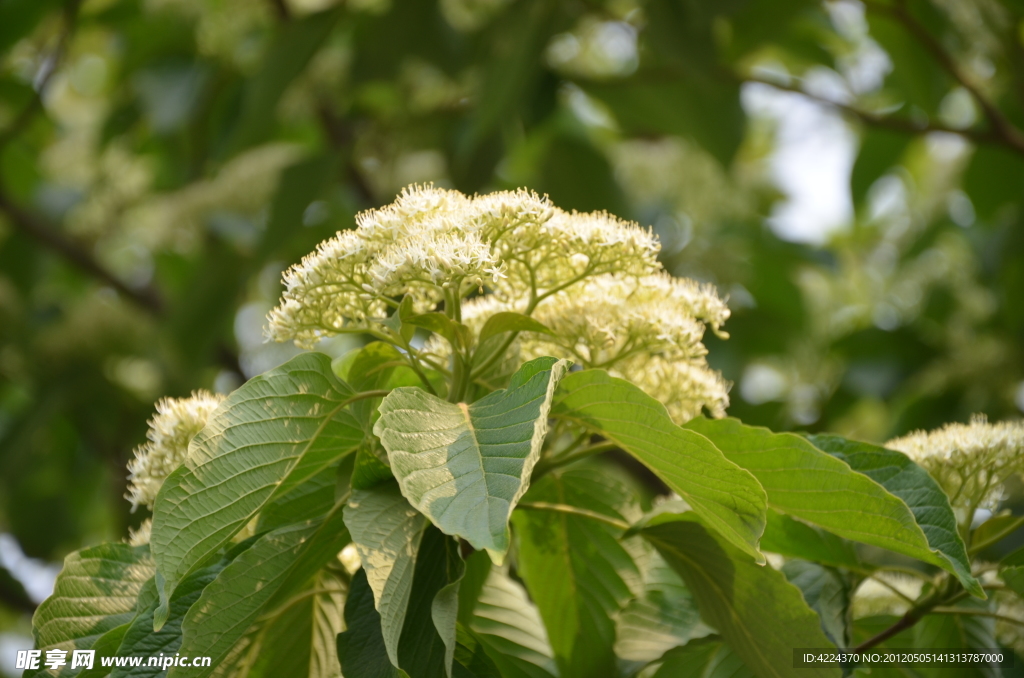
{"points": [[576, 511], [50, 237], [977, 613], [894, 123]]}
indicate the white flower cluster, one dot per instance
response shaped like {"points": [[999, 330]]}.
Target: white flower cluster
{"points": [[970, 461], [176, 422], [647, 330], [431, 242]]}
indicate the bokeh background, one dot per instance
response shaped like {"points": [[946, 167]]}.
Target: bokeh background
{"points": [[850, 173]]}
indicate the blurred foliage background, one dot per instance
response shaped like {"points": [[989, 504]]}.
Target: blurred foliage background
{"points": [[850, 173]]}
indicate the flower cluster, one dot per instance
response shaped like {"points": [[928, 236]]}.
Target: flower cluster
{"points": [[434, 243], [970, 461], [647, 330], [176, 422]]}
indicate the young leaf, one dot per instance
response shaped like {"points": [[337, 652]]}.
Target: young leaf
{"points": [[387, 534], [576, 570], [274, 432], [511, 629], [361, 649], [500, 323], [904, 479], [726, 496], [95, 592], [278, 562], [806, 483], [760, 614], [466, 466]]}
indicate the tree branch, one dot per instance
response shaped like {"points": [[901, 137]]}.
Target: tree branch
{"points": [[51, 238], [1002, 128], [894, 123]]}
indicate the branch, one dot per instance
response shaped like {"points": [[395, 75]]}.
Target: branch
{"points": [[894, 123], [50, 237], [1002, 128]]}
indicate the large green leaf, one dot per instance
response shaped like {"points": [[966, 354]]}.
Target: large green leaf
{"points": [[964, 631], [277, 563], [274, 432], [726, 496], [576, 570], [466, 466], [387, 532], [761, 615], [361, 649], [511, 629], [904, 479], [95, 592], [790, 537], [826, 592], [807, 483], [702, 658], [427, 645], [301, 637], [664, 616], [141, 640]]}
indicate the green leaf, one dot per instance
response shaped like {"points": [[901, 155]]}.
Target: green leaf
{"points": [[471, 659], [576, 570], [760, 614], [361, 649], [664, 616], [726, 496], [1014, 578], [285, 59], [386, 531], [141, 640], [880, 149], [277, 564], [826, 592], [438, 323], [704, 110], [466, 466], [428, 639], [807, 483], [301, 638], [929, 505], [276, 431], [703, 658], [790, 537], [95, 592], [969, 632], [377, 366], [510, 627], [500, 323]]}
